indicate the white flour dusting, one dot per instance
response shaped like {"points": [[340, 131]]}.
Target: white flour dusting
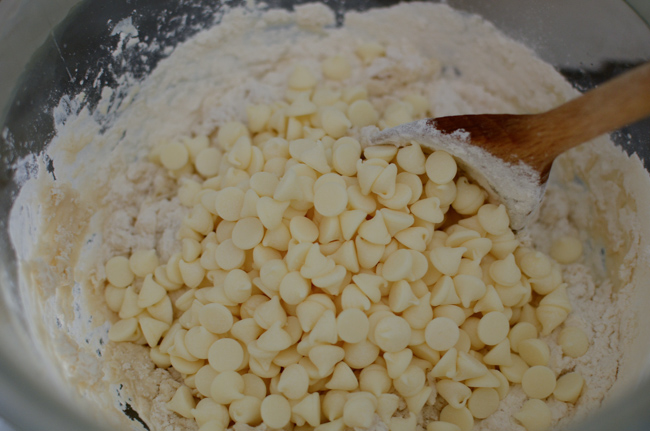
{"points": [[460, 63]]}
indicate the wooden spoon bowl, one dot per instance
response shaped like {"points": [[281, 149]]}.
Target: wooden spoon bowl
{"points": [[511, 155]]}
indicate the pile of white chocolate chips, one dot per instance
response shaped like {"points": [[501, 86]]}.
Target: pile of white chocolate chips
{"points": [[322, 285]]}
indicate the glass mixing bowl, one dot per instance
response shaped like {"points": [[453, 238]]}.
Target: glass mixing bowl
{"points": [[49, 48]]}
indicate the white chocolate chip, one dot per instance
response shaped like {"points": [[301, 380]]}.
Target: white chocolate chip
{"points": [[538, 382], [441, 167], [569, 387], [566, 249], [441, 334], [392, 334], [460, 417], [336, 68], [534, 415], [573, 341], [182, 402], [118, 271], [174, 156], [493, 328], [275, 411]]}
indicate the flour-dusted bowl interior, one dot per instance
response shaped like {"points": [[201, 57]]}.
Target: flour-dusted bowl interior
{"points": [[73, 71]]}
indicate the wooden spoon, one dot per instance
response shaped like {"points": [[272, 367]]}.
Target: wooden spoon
{"points": [[511, 155]]}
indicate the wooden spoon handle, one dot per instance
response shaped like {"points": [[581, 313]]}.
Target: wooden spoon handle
{"points": [[621, 101]]}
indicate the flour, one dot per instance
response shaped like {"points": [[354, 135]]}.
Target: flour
{"points": [[460, 63]]}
